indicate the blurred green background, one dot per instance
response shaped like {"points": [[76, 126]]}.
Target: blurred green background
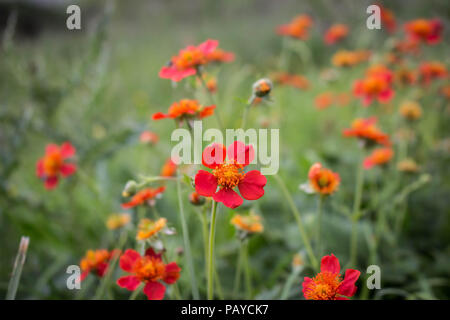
{"points": [[98, 87]]}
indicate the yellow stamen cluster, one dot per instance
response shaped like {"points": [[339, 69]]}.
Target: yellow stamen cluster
{"points": [[229, 175]]}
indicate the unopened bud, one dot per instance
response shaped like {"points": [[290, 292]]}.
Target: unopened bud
{"points": [[130, 188]]}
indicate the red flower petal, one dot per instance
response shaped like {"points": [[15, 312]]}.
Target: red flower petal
{"points": [[159, 116], [84, 275], [228, 197], [208, 46], [386, 96], [330, 264], [306, 283], [152, 254], [252, 186], [51, 182], [68, 169], [205, 183], [129, 282], [67, 150], [368, 163], [50, 148], [207, 111], [40, 168], [241, 153], [101, 269], [154, 290], [172, 273], [347, 286], [128, 259], [213, 155]]}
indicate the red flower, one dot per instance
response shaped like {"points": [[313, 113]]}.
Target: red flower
{"points": [[144, 196], [96, 261], [428, 31], [379, 156], [186, 109], [53, 164], [297, 28], [366, 130], [328, 284], [149, 269], [336, 33], [149, 137], [431, 70], [229, 174], [188, 61], [322, 180], [388, 19], [372, 87]]}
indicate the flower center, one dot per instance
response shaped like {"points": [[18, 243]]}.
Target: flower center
{"points": [[52, 163], [149, 269], [324, 286], [229, 175], [373, 85]]}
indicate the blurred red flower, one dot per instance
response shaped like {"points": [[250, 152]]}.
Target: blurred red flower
{"points": [[96, 261], [336, 33], [144, 196], [188, 60], [149, 269], [366, 130], [378, 157], [185, 109], [52, 164], [168, 169], [229, 174], [428, 31], [297, 28]]}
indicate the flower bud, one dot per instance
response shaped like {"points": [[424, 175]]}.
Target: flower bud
{"points": [[130, 188], [196, 199], [262, 88]]}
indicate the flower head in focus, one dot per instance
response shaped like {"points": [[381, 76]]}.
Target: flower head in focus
{"points": [[328, 283], [148, 269], [378, 157], [228, 174], [53, 164], [188, 61]]}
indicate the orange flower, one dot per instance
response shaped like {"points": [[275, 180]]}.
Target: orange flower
{"points": [[116, 221], [52, 165], [322, 180], [374, 86], [445, 91], [188, 61], [148, 228], [145, 196], [428, 31], [388, 19], [292, 80], [328, 284], [298, 28], [186, 109], [248, 224], [432, 70], [96, 261], [219, 55], [336, 33], [368, 132], [324, 100], [169, 169], [378, 157], [196, 199], [345, 58], [149, 137], [410, 110], [149, 269], [262, 88], [380, 70]]}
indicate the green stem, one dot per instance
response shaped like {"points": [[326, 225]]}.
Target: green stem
{"points": [[212, 232], [187, 245], [319, 225], [211, 98], [298, 218], [111, 267], [237, 278], [356, 213], [247, 271], [136, 292], [245, 114], [17, 270]]}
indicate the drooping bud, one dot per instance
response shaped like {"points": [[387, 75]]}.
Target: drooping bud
{"points": [[129, 189]]}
